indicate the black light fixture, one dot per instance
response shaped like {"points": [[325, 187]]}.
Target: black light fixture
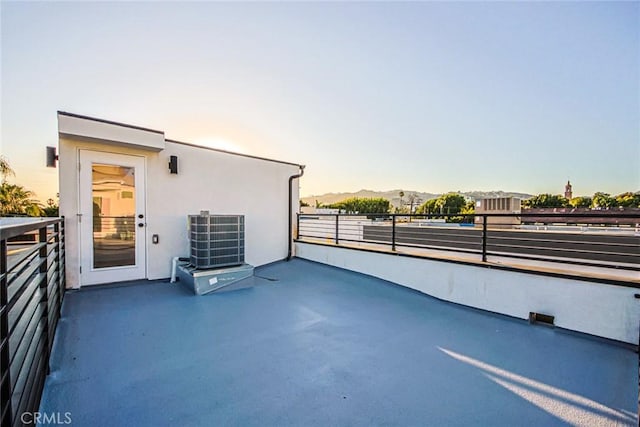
{"points": [[173, 164], [52, 157]]}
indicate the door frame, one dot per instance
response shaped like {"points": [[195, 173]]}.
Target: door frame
{"points": [[111, 274]]}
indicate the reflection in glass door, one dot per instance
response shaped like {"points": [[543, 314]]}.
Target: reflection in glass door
{"points": [[114, 215]]}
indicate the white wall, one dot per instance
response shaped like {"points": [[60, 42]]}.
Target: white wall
{"points": [[603, 310], [222, 184], [207, 180]]}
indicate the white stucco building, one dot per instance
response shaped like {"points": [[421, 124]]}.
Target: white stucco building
{"points": [[126, 211]]}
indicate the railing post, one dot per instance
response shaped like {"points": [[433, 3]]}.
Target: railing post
{"points": [[57, 230], [63, 281], [337, 216], [393, 232], [5, 360], [44, 267], [484, 238]]}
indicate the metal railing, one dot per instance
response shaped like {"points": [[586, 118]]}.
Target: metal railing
{"points": [[32, 287], [582, 241]]}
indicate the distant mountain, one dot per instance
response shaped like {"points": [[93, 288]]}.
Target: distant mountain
{"points": [[394, 198]]}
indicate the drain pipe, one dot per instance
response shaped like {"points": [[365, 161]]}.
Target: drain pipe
{"points": [[289, 237], [174, 265]]}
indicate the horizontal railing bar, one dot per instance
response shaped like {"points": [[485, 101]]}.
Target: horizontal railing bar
{"points": [[5, 377], [454, 230], [439, 242], [582, 242], [32, 375], [4, 418], [51, 247], [35, 393], [51, 237], [19, 259], [53, 267], [562, 260], [53, 294], [564, 250], [18, 269], [29, 331], [587, 249], [13, 230], [442, 248], [613, 214], [22, 374], [24, 301], [52, 275], [19, 285], [476, 234]]}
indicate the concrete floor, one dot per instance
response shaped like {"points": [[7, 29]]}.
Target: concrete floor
{"points": [[323, 346]]}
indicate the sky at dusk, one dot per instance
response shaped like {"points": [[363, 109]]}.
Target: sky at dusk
{"points": [[432, 96]]}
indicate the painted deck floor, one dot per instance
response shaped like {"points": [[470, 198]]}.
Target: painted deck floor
{"points": [[323, 346]]}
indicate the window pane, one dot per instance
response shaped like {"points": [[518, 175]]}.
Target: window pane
{"points": [[114, 215]]}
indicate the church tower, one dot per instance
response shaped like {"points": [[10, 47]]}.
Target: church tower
{"points": [[568, 193]]}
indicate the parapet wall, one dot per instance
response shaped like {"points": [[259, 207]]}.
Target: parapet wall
{"points": [[603, 310]]}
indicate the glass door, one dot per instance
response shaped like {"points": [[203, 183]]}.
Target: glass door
{"points": [[112, 219]]}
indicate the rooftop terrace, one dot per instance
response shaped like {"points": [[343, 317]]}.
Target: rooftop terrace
{"points": [[308, 344]]}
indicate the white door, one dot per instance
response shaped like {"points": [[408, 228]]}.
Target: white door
{"points": [[112, 217]]}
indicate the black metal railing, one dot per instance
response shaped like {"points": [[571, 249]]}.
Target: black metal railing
{"points": [[583, 240], [637, 296], [32, 287]]}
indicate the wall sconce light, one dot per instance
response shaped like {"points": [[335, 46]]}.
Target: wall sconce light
{"points": [[52, 157], [173, 164]]}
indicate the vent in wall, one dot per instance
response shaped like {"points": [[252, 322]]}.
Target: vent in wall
{"points": [[544, 319]]}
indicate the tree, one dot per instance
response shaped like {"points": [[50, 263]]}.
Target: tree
{"points": [[603, 200], [413, 200], [401, 194], [5, 169], [302, 203], [427, 207], [581, 202], [451, 203], [16, 200], [628, 200], [546, 201], [51, 209], [363, 205]]}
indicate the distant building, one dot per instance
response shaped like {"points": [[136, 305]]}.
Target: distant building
{"points": [[314, 210], [499, 205], [568, 192]]}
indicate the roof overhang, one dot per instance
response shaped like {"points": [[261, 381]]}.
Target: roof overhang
{"points": [[75, 126]]}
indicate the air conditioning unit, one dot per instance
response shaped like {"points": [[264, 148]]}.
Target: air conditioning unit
{"points": [[216, 240]]}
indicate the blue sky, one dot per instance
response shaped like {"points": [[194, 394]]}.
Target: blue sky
{"points": [[419, 96]]}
